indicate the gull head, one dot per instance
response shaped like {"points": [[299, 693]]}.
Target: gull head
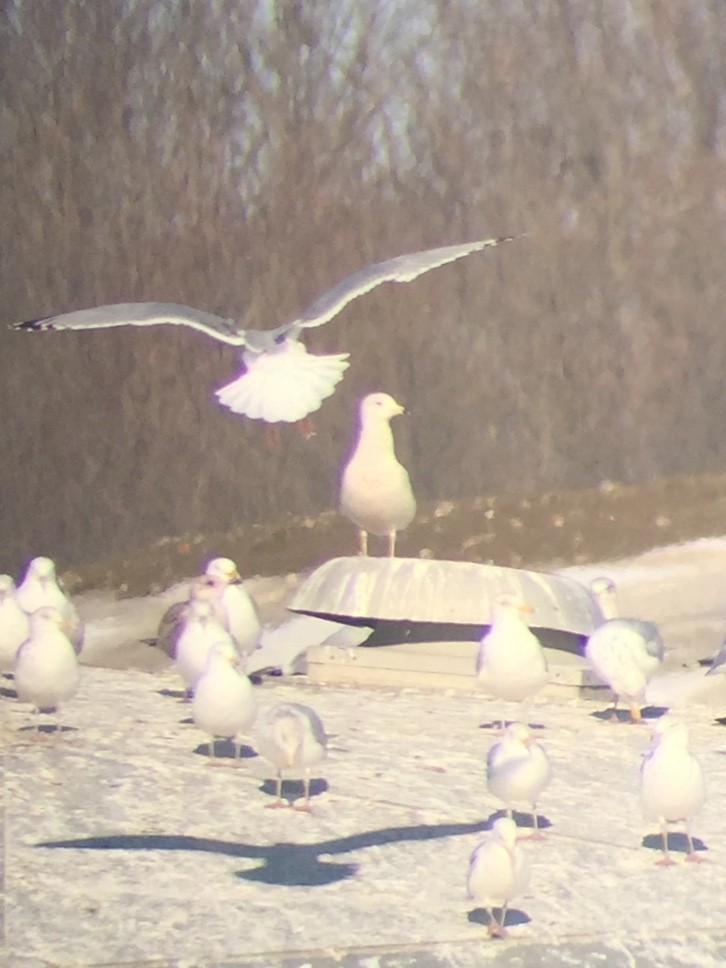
{"points": [[201, 611], [378, 408], [508, 604], [520, 733], [671, 731], [223, 654], [46, 618], [224, 569], [504, 832], [42, 569]]}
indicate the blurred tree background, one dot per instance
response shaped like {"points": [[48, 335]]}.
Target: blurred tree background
{"points": [[245, 155]]}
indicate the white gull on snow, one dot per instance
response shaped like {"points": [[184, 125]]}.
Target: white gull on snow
{"points": [[291, 737], [201, 631], [46, 666], [518, 770], [224, 703], [671, 782], [14, 624], [238, 610], [499, 871], [40, 587], [375, 489], [281, 380], [625, 653], [510, 662]]}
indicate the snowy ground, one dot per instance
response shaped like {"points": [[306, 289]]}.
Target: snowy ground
{"points": [[124, 847]]}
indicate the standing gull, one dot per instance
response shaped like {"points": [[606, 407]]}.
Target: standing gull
{"points": [[671, 783], [40, 587], [498, 872], [291, 736], [46, 667], [201, 631], [175, 618], [518, 770], [14, 624], [281, 381], [625, 653], [239, 615], [510, 662], [375, 489], [224, 703]]}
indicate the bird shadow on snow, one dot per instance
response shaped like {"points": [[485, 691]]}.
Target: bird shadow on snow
{"points": [[294, 789], [677, 842], [513, 916], [172, 693], [623, 715], [496, 724], [224, 750], [8, 693], [285, 864], [522, 820]]}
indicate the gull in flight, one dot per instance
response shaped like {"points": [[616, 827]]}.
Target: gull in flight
{"points": [[281, 381]]}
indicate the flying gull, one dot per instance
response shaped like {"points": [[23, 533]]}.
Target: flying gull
{"points": [[281, 381]]}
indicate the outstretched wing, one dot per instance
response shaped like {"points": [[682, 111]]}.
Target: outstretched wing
{"points": [[141, 314], [403, 268]]}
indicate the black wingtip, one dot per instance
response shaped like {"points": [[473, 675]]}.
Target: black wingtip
{"points": [[31, 324]]}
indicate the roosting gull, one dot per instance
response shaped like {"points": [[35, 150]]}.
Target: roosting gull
{"points": [[499, 871], [671, 782], [281, 381], [625, 653], [375, 490]]}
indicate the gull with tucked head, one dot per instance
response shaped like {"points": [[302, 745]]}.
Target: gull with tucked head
{"points": [[291, 736]]}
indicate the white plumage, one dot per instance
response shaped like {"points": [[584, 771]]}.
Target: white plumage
{"points": [[518, 770], [40, 588], [46, 667], [625, 653], [281, 381], [671, 782], [174, 619], [224, 703], [375, 489], [239, 615], [499, 871], [291, 736], [201, 631], [14, 624], [510, 662]]}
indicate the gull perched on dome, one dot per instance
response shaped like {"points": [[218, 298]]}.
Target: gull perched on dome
{"points": [[375, 489], [499, 871], [518, 770], [671, 782], [281, 381]]}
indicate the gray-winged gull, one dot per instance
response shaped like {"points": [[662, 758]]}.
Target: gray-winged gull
{"points": [[281, 382], [375, 489], [224, 703], [46, 667], [625, 653], [14, 624], [40, 587], [291, 736], [174, 619], [499, 871], [518, 770], [671, 782]]}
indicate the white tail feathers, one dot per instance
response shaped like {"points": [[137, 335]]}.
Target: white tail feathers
{"points": [[285, 384]]}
